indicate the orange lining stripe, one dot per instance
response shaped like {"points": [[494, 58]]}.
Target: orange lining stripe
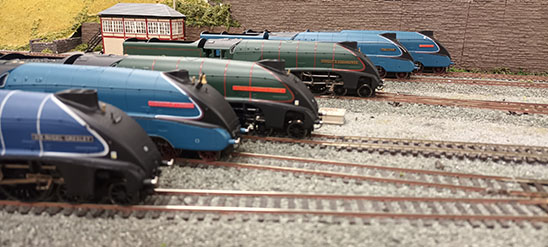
{"points": [[170, 104], [426, 46], [259, 89]]}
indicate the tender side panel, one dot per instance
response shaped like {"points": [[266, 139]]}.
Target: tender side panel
{"points": [[162, 48]]}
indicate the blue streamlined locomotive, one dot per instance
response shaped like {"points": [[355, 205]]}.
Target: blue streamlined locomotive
{"points": [[72, 146], [386, 53], [427, 52], [174, 111]]}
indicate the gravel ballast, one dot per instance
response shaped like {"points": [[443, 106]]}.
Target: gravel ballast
{"points": [[30, 230], [466, 91], [363, 118], [431, 122]]}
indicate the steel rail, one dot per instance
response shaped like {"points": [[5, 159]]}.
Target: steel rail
{"points": [[427, 142], [333, 174], [254, 210], [471, 81], [517, 107], [237, 193], [446, 151], [457, 75]]}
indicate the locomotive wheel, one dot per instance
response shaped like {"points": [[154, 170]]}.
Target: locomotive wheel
{"points": [[118, 194], [402, 75], [167, 151], [420, 67], [262, 130], [61, 193], [439, 70], [209, 155], [318, 89], [340, 90], [382, 71], [295, 129], [365, 91], [26, 192]]}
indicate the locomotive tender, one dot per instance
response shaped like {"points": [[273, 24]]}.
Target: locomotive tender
{"points": [[264, 97], [427, 52], [71, 146], [335, 67], [176, 113], [384, 51]]}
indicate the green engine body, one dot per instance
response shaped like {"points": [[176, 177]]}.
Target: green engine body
{"points": [[321, 66]]}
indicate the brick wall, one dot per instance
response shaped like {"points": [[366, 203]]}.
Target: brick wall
{"points": [[483, 34], [89, 29], [57, 46]]}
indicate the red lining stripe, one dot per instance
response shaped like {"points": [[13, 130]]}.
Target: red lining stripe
{"points": [[297, 55], [279, 50], [224, 76], [259, 89], [250, 78], [278, 78], [153, 63], [426, 46], [315, 48], [262, 48], [170, 104], [333, 60]]}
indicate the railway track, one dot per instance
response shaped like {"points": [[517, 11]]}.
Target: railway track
{"points": [[330, 207], [426, 148], [439, 180], [483, 76], [473, 81], [511, 107]]}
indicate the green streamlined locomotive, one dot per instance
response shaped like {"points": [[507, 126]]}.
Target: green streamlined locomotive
{"points": [[324, 67]]}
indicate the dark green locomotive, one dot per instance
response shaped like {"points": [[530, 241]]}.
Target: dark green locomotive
{"points": [[262, 94], [324, 67]]}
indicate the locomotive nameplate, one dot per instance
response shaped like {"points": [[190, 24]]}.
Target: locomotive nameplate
{"points": [[388, 49], [62, 138], [328, 61], [333, 115]]}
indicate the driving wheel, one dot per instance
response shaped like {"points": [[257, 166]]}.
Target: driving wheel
{"points": [[295, 129]]}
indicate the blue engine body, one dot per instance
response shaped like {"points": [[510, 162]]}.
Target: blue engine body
{"points": [[423, 47], [26, 116], [383, 50], [166, 106], [68, 139]]}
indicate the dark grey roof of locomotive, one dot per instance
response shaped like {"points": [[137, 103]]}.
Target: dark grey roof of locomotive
{"points": [[93, 59], [221, 43], [141, 9]]}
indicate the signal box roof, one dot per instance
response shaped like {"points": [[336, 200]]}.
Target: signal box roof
{"points": [[141, 9]]}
